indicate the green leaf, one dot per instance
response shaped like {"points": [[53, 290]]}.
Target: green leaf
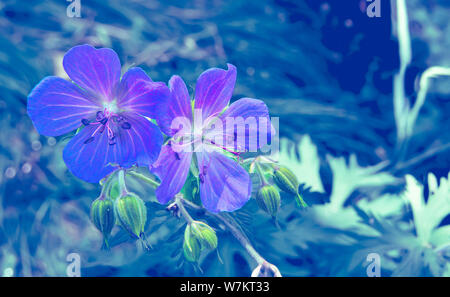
{"points": [[428, 216], [347, 178]]}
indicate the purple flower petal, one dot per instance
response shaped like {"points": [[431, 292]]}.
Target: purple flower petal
{"points": [[89, 158], [57, 106], [95, 70], [143, 141], [224, 184], [179, 105], [137, 93], [214, 89], [172, 169], [90, 153], [245, 118]]}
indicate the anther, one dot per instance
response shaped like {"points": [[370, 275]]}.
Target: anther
{"points": [[104, 121], [126, 125], [85, 122], [100, 115]]}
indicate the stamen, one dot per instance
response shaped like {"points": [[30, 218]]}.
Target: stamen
{"points": [[126, 125], [85, 122], [104, 121], [100, 116]]}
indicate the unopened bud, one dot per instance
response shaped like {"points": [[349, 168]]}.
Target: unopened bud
{"points": [[131, 214], [286, 180], [103, 217], [268, 199], [266, 270], [191, 246], [204, 234]]}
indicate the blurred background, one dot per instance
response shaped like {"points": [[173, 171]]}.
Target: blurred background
{"points": [[324, 67]]}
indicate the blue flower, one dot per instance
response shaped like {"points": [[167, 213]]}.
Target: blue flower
{"points": [[224, 184], [113, 112]]}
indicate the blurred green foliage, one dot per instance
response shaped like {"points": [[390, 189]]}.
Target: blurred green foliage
{"points": [[366, 197]]}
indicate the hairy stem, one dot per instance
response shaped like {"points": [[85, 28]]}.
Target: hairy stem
{"points": [[144, 178], [122, 185], [106, 186], [183, 211], [261, 174]]}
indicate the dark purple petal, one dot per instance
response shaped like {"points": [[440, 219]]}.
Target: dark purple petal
{"points": [[57, 106], [137, 93], [172, 169], [224, 184], [88, 158], [179, 105], [214, 89], [143, 141], [95, 70], [243, 121]]}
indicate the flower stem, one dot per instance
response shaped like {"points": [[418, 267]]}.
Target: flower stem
{"points": [[240, 236], [261, 174], [144, 178], [106, 186], [122, 185], [183, 211]]}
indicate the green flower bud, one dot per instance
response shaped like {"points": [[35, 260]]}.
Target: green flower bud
{"points": [[204, 234], [131, 214], [268, 199], [191, 246], [286, 180], [103, 217]]}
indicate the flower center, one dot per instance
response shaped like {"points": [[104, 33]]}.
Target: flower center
{"points": [[111, 107], [107, 120]]}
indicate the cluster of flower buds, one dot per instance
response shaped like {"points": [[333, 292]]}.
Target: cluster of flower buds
{"points": [[198, 236], [268, 196], [118, 206]]}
